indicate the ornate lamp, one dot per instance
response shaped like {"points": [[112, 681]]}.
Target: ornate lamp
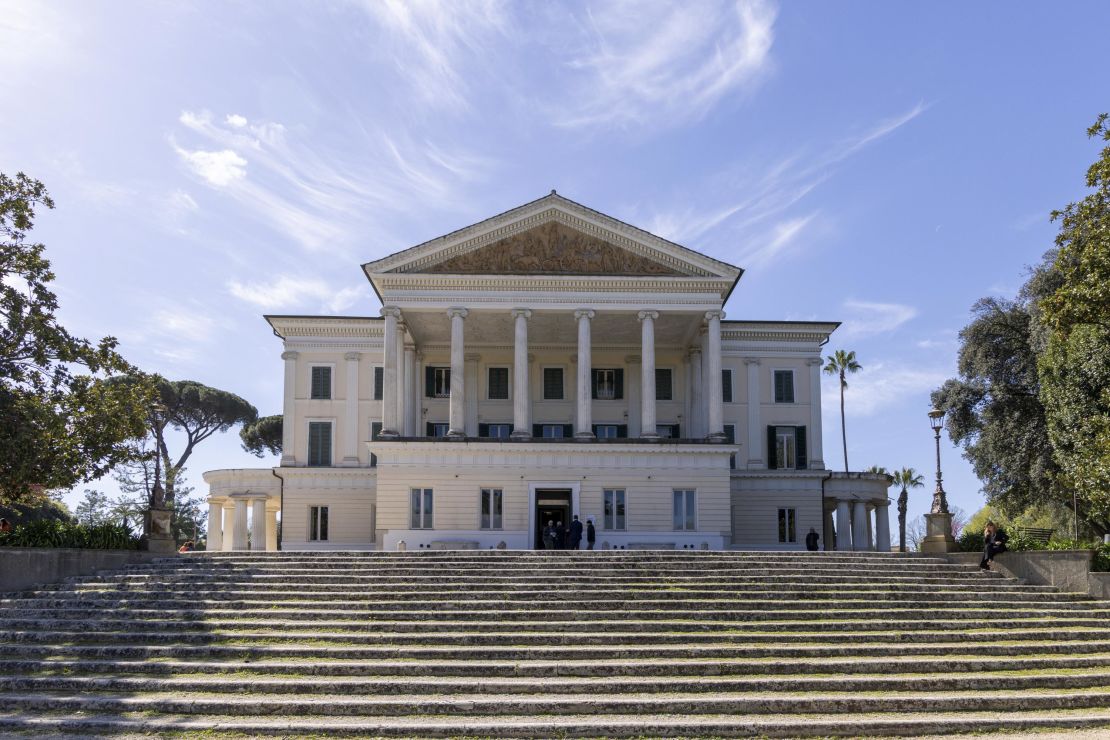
{"points": [[940, 501], [938, 522]]}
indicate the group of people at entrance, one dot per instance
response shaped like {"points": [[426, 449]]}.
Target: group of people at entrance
{"points": [[559, 537]]}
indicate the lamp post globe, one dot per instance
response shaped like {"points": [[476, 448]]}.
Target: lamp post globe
{"points": [[940, 500]]}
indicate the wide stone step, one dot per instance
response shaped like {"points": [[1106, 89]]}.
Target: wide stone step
{"points": [[530, 705], [331, 650], [446, 685], [576, 569], [586, 725]]}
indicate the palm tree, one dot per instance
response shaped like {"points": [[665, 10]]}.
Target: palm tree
{"points": [[841, 363], [906, 478], [878, 470]]}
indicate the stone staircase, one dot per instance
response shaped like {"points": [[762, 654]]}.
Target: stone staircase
{"points": [[519, 644]]}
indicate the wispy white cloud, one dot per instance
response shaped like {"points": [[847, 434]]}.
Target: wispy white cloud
{"points": [[868, 318], [216, 168], [286, 292], [878, 387], [664, 62], [782, 235]]}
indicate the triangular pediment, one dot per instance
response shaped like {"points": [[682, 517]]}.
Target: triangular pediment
{"points": [[553, 236], [552, 248]]}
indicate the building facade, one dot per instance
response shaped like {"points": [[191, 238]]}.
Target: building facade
{"points": [[546, 363]]}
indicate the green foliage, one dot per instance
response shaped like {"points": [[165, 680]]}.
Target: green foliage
{"points": [[905, 479], [842, 363], [263, 436], [50, 533], [62, 421], [40, 508]]}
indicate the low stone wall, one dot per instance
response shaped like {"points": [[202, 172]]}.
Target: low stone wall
{"points": [[23, 567], [1099, 585], [1067, 570]]}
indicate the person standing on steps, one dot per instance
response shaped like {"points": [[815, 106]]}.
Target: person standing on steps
{"points": [[575, 534], [811, 540], [560, 536], [994, 542], [591, 534], [549, 536]]}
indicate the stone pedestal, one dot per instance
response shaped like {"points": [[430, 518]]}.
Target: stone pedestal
{"points": [[938, 534], [159, 537]]}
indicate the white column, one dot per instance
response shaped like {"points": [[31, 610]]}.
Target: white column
{"points": [[390, 386], [289, 408], [258, 524], [408, 420], [697, 396], [715, 413], [240, 540], [813, 438], [457, 411], [215, 526], [756, 436], [271, 531], [472, 360], [228, 519], [633, 391], [827, 536], [522, 418], [583, 424], [859, 526], [647, 373], [402, 379], [882, 527], [843, 525], [416, 410], [350, 422]]}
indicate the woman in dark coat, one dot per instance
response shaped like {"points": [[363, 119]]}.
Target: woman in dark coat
{"points": [[560, 536], [994, 542]]}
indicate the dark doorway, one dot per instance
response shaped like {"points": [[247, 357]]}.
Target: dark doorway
{"points": [[552, 505]]}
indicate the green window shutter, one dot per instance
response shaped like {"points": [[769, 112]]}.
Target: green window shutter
{"points": [[553, 383], [595, 427], [800, 447], [619, 383], [663, 390], [429, 383], [772, 463], [726, 386], [483, 430], [375, 427], [622, 431], [784, 386], [379, 383], [593, 384], [537, 431], [321, 383], [568, 430], [498, 383], [429, 429], [319, 443]]}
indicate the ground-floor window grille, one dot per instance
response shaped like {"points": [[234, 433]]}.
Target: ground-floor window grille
{"points": [[685, 509], [491, 508], [787, 527], [614, 509], [421, 508], [317, 523]]}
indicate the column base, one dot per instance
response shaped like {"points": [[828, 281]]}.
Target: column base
{"points": [[938, 534], [349, 462], [520, 435], [388, 434], [717, 437], [456, 435], [586, 436], [650, 435], [288, 461]]}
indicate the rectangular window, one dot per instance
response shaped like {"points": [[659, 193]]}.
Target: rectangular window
{"points": [[552, 431], [685, 509], [667, 431], [614, 508], [664, 390], [784, 386], [730, 437], [375, 427], [784, 448], [379, 383], [420, 500], [497, 383], [441, 382], [436, 429], [495, 431], [319, 443], [608, 384], [787, 531], [321, 383], [553, 384], [726, 386], [491, 508], [607, 431], [317, 523]]}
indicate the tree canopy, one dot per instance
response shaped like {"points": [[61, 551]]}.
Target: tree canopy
{"points": [[263, 436], [62, 420]]}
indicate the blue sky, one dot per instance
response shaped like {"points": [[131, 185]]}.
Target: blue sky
{"points": [[882, 164]]}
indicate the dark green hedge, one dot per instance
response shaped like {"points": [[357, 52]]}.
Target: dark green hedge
{"points": [[49, 533]]}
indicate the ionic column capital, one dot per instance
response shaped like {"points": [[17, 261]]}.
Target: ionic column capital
{"points": [[584, 313], [815, 361], [457, 311], [647, 315], [518, 312], [472, 357], [391, 311], [711, 315], [290, 355], [752, 361], [693, 352], [632, 359], [352, 356]]}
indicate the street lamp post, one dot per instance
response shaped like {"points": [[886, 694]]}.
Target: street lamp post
{"points": [[157, 523], [938, 522]]}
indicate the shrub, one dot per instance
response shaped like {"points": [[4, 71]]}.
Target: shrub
{"points": [[50, 533]]}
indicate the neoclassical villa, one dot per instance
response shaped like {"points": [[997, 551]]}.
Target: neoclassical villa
{"points": [[548, 362]]}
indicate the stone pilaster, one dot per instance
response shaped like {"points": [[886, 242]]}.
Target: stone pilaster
{"points": [[647, 374], [757, 457], [350, 413], [390, 385], [522, 406], [456, 428], [289, 409], [583, 423], [715, 412]]}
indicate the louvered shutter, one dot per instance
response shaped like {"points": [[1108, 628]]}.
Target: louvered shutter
{"points": [[568, 430], [537, 431], [321, 383], [429, 383], [379, 383], [483, 430], [593, 384], [772, 462], [618, 383], [726, 386], [622, 431], [800, 447], [663, 391]]}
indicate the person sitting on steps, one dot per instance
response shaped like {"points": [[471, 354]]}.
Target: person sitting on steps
{"points": [[994, 542]]}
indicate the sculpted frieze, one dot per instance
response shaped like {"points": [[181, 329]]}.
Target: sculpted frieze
{"points": [[552, 248]]}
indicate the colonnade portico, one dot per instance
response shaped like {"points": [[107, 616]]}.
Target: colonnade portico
{"points": [[399, 399], [853, 524], [227, 522]]}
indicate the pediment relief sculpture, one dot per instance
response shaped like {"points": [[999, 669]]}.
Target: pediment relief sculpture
{"points": [[552, 248]]}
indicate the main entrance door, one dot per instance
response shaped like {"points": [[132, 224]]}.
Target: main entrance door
{"points": [[552, 505]]}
